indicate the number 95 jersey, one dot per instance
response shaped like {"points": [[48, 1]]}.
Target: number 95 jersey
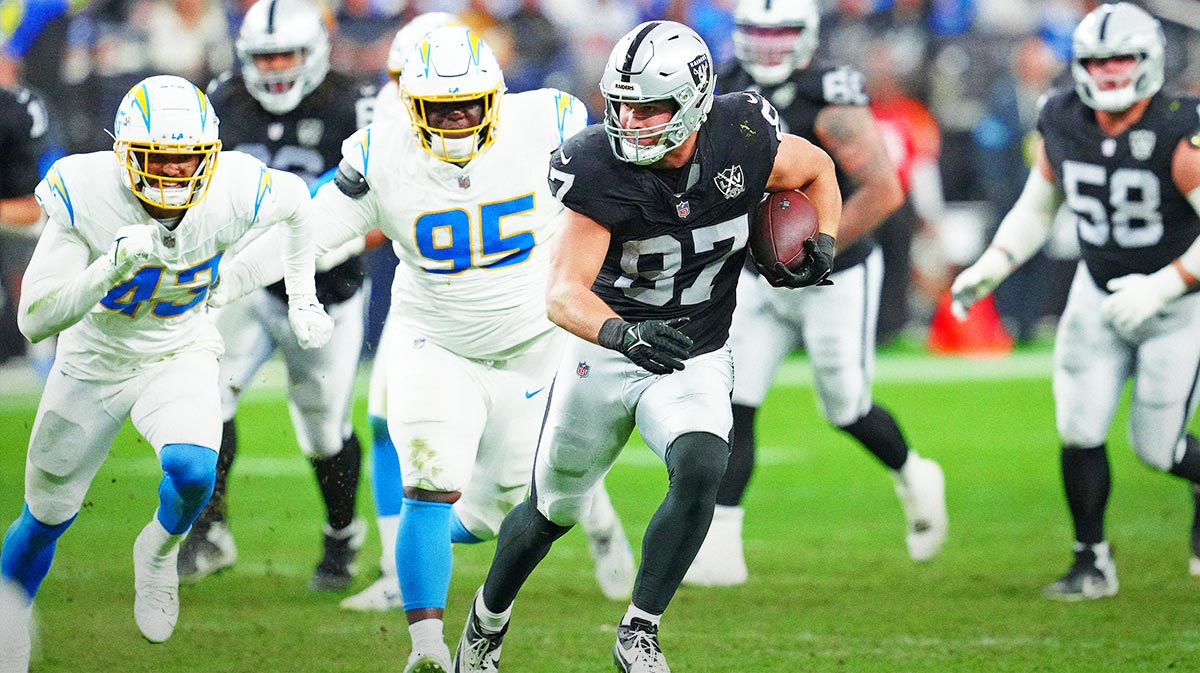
{"points": [[1131, 218], [471, 239], [159, 309]]}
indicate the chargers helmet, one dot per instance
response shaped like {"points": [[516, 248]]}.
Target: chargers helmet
{"points": [[1119, 29], [166, 115], [657, 60], [277, 27], [406, 38], [448, 65]]}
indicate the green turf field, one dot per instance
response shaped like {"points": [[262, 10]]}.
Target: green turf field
{"points": [[831, 588]]}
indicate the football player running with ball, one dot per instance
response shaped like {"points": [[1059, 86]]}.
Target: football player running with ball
{"points": [[774, 43], [658, 200], [286, 109], [132, 246], [1126, 158], [459, 187]]}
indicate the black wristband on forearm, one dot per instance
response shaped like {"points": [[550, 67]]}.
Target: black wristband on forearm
{"points": [[612, 333]]}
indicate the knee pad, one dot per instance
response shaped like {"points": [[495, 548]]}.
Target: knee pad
{"points": [[697, 460], [189, 466]]}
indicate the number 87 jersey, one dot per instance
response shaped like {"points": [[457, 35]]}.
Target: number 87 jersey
{"points": [[1130, 215], [471, 239]]}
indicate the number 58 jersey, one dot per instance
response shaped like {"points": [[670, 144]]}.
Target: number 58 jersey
{"points": [[159, 309], [1130, 216], [472, 240]]}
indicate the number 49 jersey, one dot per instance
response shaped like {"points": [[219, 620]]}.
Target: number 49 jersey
{"points": [[676, 249], [1131, 218], [159, 309], [471, 239]]}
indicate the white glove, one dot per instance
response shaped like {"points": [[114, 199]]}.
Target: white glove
{"points": [[313, 327], [132, 246], [1136, 297], [978, 280]]}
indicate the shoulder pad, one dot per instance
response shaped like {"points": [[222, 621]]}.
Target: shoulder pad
{"points": [[349, 181]]}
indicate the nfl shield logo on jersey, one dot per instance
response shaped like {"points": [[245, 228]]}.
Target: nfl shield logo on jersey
{"points": [[464, 182], [275, 131], [683, 209], [1141, 143], [731, 182], [582, 369], [309, 131]]}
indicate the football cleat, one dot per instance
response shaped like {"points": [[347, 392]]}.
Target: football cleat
{"points": [[381, 596], [721, 561], [156, 588], [206, 550], [478, 652], [336, 569], [1093, 575], [433, 662], [921, 488], [637, 650], [615, 571], [16, 624]]}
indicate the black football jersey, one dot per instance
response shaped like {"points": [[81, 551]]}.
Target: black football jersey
{"points": [[1130, 216], [675, 250], [23, 126], [799, 99], [306, 141]]}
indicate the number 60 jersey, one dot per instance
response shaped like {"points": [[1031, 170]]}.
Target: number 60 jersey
{"points": [[1131, 218], [471, 239]]}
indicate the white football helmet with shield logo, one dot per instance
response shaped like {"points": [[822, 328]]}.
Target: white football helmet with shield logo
{"points": [[282, 27], [406, 38], [657, 60], [166, 115], [1119, 29], [451, 65]]}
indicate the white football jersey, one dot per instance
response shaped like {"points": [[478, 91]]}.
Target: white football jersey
{"points": [[160, 309], [472, 240]]}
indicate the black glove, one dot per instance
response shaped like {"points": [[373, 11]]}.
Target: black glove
{"points": [[814, 271], [654, 345]]}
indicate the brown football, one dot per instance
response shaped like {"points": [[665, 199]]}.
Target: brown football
{"points": [[782, 223]]}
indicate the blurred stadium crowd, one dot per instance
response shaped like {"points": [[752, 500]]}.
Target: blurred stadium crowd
{"points": [[954, 85]]}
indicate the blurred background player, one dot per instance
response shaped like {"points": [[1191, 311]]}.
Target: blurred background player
{"points": [[1125, 156], [288, 110], [124, 279], [471, 355], [774, 44], [658, 199]]}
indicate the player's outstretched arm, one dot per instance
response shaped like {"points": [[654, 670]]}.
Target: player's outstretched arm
{"points": [[60, 286], [1137, 297], [849, 134], [1022, 232]]}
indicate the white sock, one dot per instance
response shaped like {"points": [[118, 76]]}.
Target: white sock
{"points": [[427, 636], [389, 527], [635, 611], [490, 622], [909, 461], [159, 539]]}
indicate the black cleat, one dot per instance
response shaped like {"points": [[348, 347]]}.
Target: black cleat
{"points": [[478, 652], [336, 569], [1093, 575], [637, 650]]}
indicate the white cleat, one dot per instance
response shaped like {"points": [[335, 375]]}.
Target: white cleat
{"points": [[615, 571], [1093, 575], [206, 551], [156, 584], [1194, 566], [637, 650], [381, 596], [432, 662], [16, 625], [921, 487], [721, 561]]}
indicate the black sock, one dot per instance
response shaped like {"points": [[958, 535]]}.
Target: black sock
{"points": [[215, 510], [695, 464], [1087, 482], [524, 540], [741, 458], [1188, 466], [879, 433], [337, 477]]}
